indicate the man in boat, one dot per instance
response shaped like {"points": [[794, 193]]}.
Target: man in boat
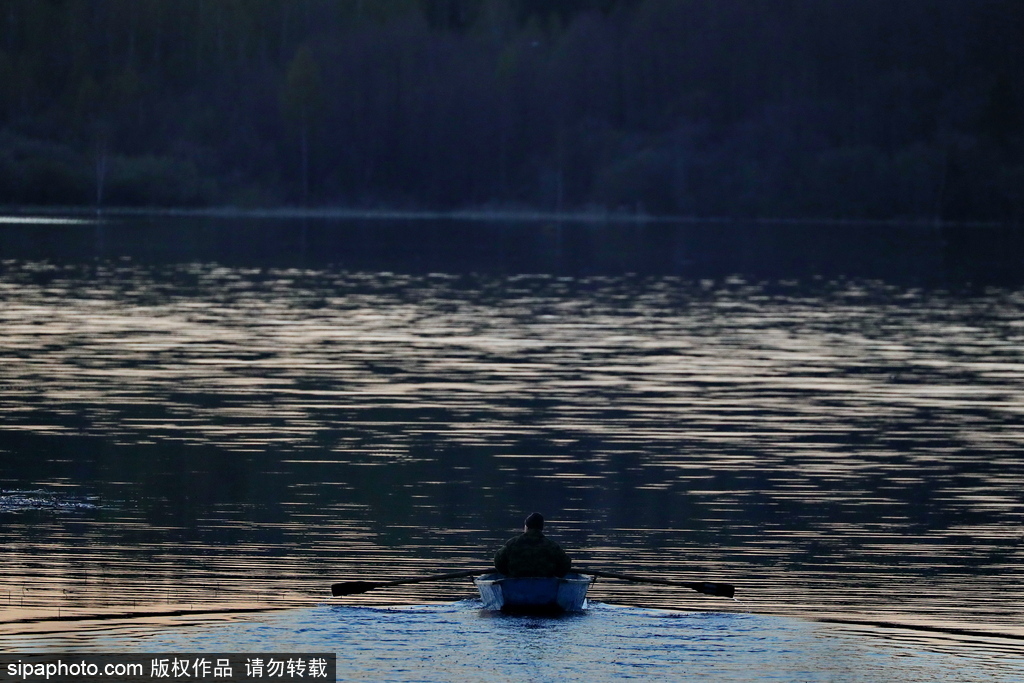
{"points": [[532, 553]]}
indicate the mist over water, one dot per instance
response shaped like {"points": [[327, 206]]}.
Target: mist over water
{"points": [[207, 435]]}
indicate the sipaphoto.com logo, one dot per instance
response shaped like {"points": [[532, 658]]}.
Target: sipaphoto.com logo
{"points": [[74, 669], [264, 667]]}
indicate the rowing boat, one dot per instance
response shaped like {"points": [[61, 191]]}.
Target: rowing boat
{"points": [[534, 595]]}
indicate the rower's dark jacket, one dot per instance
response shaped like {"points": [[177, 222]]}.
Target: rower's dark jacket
{"points": [[532, 554]]}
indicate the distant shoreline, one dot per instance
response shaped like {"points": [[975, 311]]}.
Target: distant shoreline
{"points": [[12, 214]]}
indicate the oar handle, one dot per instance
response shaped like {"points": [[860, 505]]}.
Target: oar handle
{"points": [[355, 587], [724, 590], [435, 577]]}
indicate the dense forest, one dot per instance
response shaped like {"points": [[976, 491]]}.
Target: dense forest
{"points": [[866, 109]]}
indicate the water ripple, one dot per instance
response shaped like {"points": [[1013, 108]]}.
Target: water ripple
{"points": [[839, 448]]}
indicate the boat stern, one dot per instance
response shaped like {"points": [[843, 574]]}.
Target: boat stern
{"points": [[534, 595]]}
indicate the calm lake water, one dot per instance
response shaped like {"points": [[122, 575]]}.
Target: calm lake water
{"points": [[459, 642], [197, 435]]}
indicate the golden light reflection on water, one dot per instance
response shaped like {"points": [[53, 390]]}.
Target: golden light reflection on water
{"points": [[253, 435]]}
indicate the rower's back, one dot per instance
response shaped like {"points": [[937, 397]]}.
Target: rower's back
{"points": [[532, 553]]}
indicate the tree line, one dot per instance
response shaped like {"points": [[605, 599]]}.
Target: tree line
{"points": [[791, 108]]}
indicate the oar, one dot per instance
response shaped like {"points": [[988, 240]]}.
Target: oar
{"points": [[723, 590], [355, 587]]}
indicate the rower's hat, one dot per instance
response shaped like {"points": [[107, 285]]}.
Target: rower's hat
{"points": [[535, 521]]}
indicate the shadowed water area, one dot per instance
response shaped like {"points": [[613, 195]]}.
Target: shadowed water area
{"points": [[196, 436]]}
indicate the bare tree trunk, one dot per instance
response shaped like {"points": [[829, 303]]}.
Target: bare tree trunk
{"points": [[101, 176], [940, 195], [304, 152], [560, 180]]}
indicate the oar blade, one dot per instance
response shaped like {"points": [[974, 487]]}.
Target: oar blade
{"points": [[722, 590], [352, 587]]}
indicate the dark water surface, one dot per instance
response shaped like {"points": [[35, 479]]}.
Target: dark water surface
{"points": [[197, 435]]}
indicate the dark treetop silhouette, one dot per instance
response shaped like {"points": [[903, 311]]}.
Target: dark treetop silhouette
{"points": [[868, 109]]}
